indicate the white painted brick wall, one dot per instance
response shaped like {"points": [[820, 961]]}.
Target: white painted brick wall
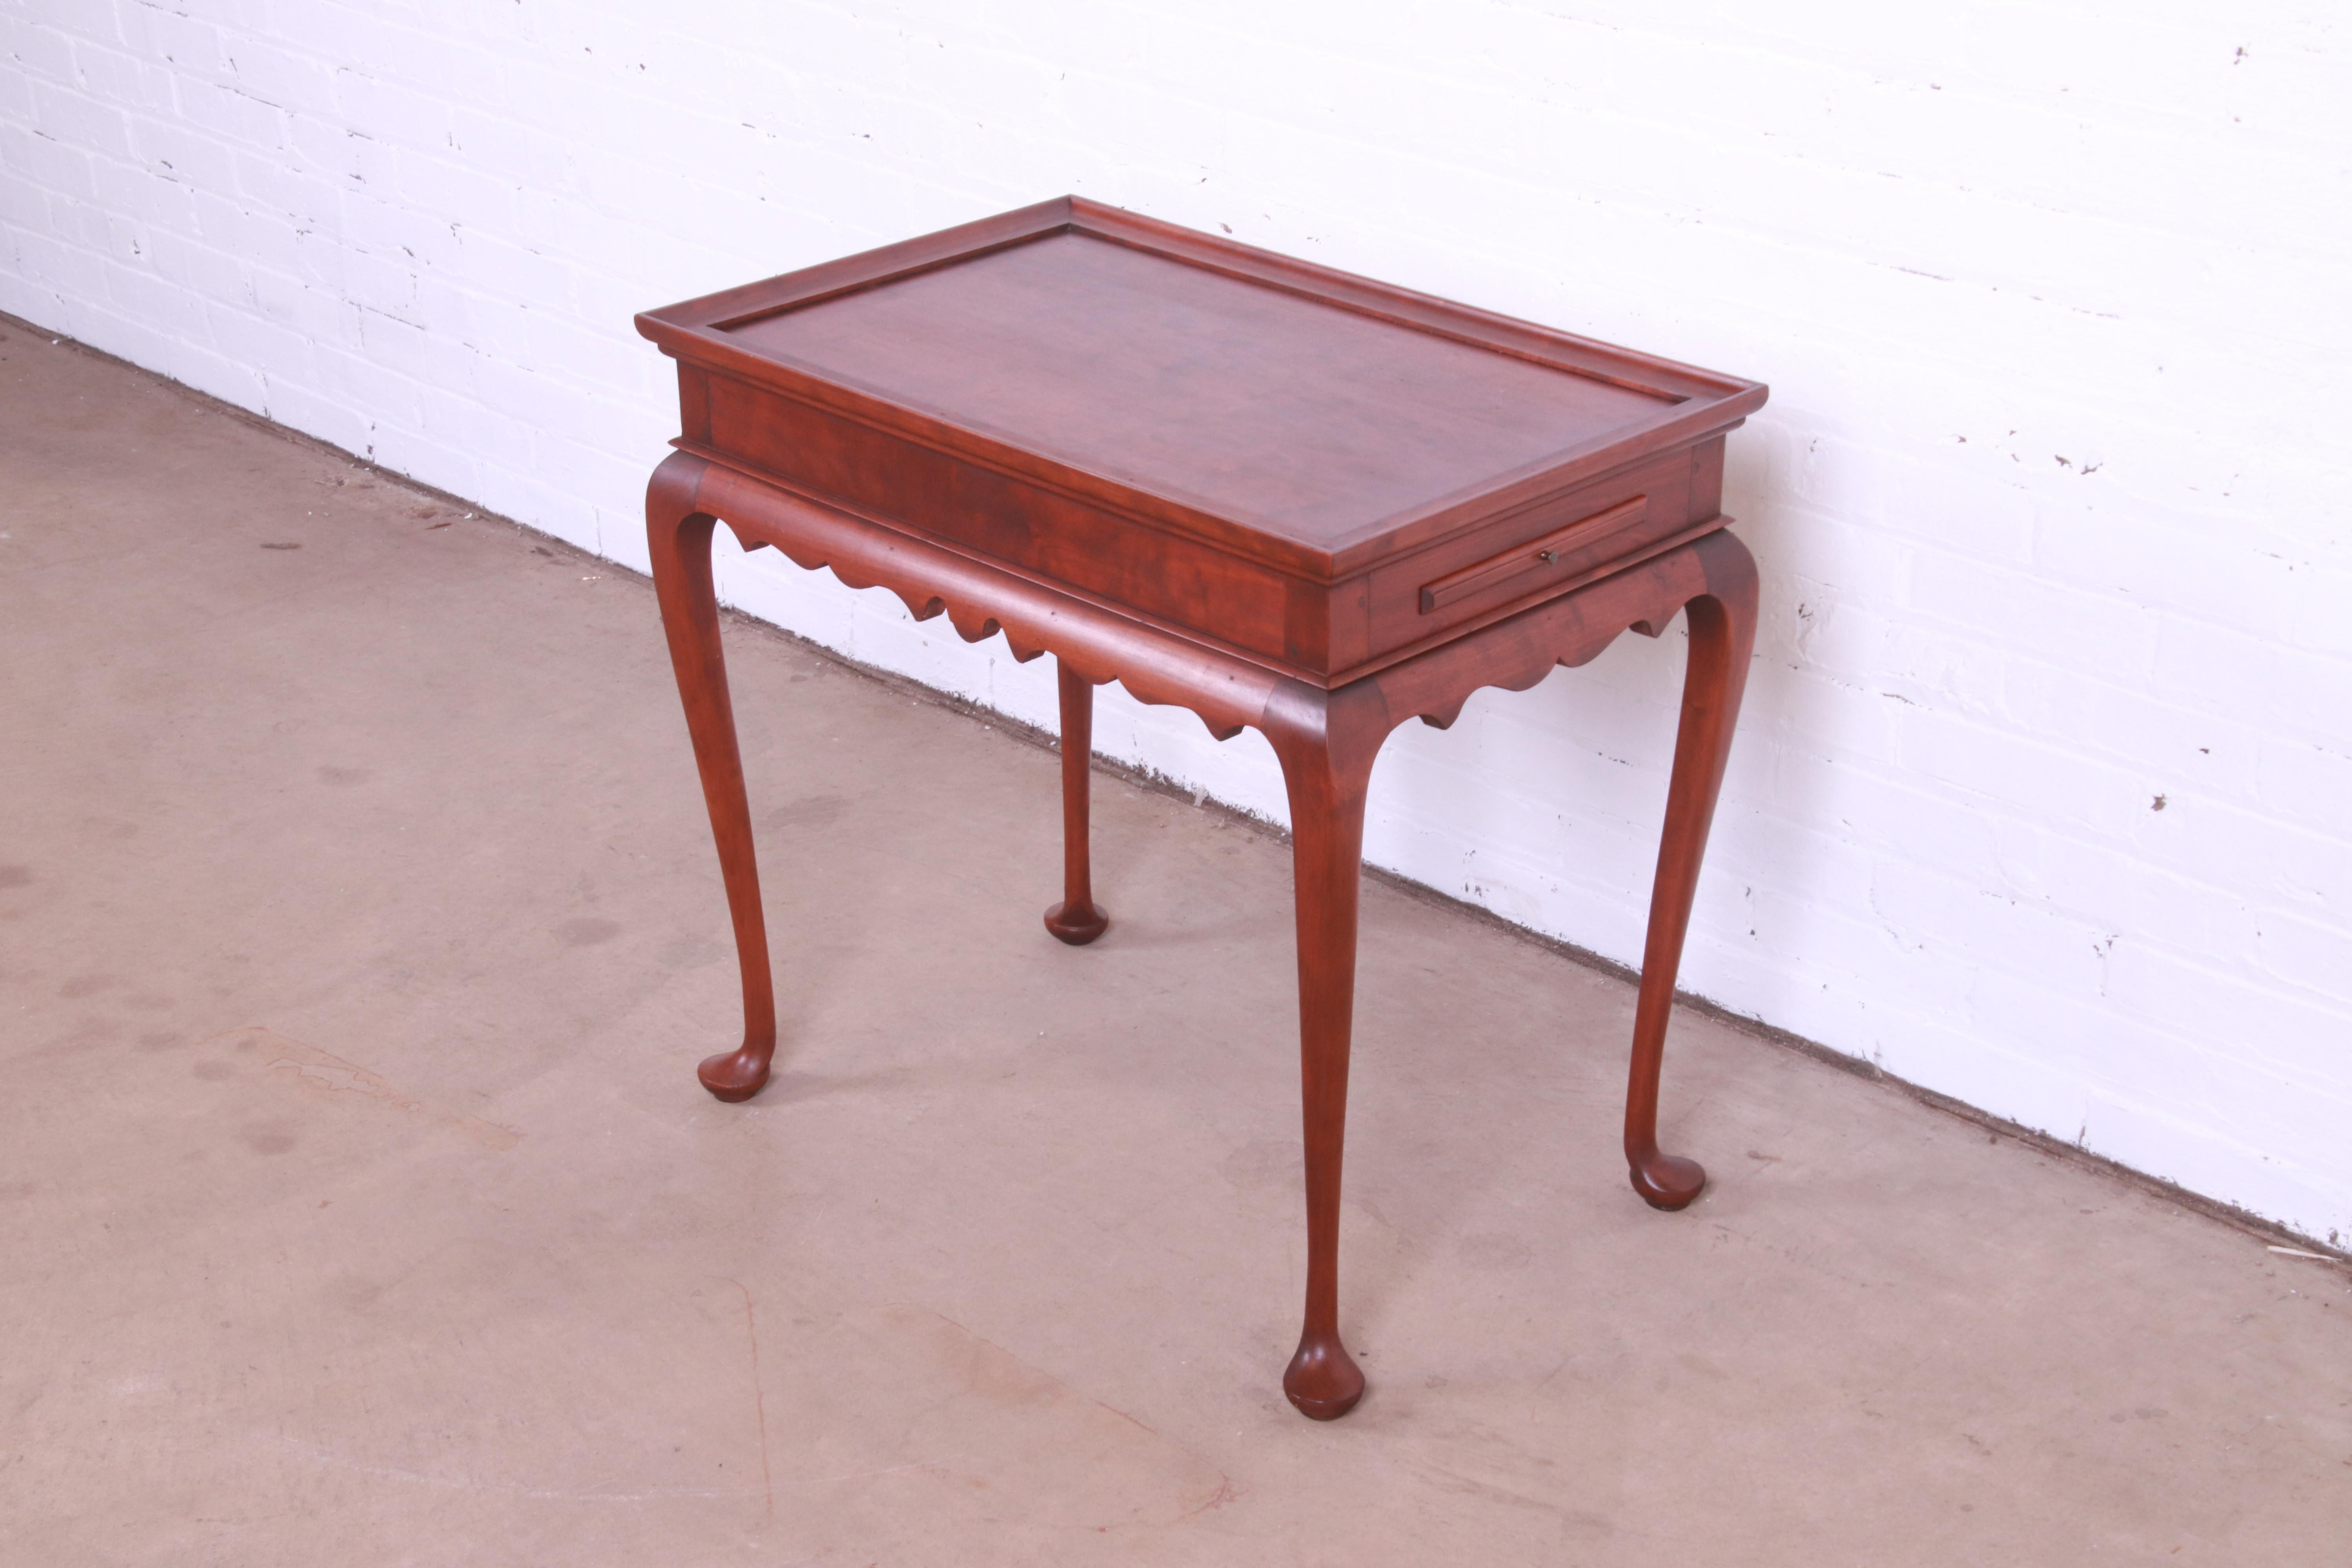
{"points": [[2051, 496]]}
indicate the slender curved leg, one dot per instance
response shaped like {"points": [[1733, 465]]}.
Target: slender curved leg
{"points": [[1078, 918], [679, 539], [1326, 744], [1722, 636]]}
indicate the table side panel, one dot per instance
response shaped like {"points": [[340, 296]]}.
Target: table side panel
{"points": [[1121, 559]]}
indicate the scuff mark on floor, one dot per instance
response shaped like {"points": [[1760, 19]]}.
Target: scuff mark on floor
{"points": [[759, 1397], [289, 1064], [322, 1453]]}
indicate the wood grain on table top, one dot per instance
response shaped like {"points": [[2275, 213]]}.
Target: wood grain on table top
{"points": [[1301, 419]]}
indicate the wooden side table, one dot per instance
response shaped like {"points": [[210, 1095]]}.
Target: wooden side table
{"points": [[1272, 493]]}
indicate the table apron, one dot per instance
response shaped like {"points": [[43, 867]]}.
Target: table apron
{"points": [[1164, 666]]}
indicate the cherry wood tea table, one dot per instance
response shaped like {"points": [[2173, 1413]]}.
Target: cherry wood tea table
{"points": [[1277, 495]]}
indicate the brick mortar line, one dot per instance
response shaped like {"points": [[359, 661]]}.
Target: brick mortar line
{"points": [[1023, 732]]}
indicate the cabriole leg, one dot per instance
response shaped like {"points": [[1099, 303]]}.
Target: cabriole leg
{"points": [[1076, 919], [1327, 759], [1722, 636], [679, 540]]}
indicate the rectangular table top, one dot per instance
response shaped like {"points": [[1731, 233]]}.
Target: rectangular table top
{"points": [[1312, 427]]}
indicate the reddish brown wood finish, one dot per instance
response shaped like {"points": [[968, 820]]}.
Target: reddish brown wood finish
{"points": [[679, 538], [1273, 494], [1076, 919], [1722, 639]]}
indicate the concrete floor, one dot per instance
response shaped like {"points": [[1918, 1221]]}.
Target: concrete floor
{"points": [[359, 933]]}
